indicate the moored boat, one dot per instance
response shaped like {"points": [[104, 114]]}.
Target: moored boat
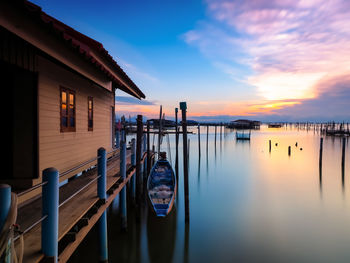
{"points": [[161, 187], [243, 136]]}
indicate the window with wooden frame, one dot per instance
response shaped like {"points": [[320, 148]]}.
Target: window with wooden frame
{"points": [[67, 110], [90, 113]]}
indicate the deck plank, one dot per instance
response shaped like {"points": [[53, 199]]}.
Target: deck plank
{"points": [[69, 213]]}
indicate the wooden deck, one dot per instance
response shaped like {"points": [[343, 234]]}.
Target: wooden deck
{"points": [[77, 216]]}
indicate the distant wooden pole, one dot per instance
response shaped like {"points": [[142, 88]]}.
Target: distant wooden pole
{"points": [[183, 108], [215, 134], [289, 150], [321, 153], [343, 156], [199, 140], [207, 136], [220, 131], [176, 145], [269, 145]]}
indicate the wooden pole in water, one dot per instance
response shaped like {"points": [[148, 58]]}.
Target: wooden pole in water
{"points": [[207, 136], [183, 108], [160, 129], [215, 133], [289, 150], [148, 149], [138, 159], [133, 163], [122, 193], [321, 153], [176, 146], [269, 145], [199, 140], [220, 131], [343, 156], [188, 152]]}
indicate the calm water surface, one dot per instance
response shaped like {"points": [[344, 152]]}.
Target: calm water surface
{"points": [[246, 204]]}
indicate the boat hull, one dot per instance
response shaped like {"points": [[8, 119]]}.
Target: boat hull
{"points": [[161, 187]]}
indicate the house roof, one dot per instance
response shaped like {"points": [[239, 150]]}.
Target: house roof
{"points": [[87, 47]]}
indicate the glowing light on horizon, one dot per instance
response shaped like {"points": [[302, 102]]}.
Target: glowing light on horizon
{"points": [[282, 86]]}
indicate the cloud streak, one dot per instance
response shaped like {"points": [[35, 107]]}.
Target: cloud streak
{"points": [[293, 48]]}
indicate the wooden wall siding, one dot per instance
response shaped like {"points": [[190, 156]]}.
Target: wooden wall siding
{"points": [[16, 51], [65, 150]]}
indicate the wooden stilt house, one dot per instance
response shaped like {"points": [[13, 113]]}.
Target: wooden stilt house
{"points": [[58, 87]]}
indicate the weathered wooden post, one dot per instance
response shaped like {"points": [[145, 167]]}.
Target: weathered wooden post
{"points": [[176, 146], [101, 192], [138, 162], [207, 136], [321, 153], [133, 152], [148, 149], [220, 131], [289, 150], [144, 143], [160, 130], [343, 156], [143, 150], [122, 194], [199, 140], [183, 108], [215, 135], [269, 145], [49, 226], [188, 152], [133, 164]]}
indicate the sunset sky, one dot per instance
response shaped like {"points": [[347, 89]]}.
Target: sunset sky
{"points": [[263, 59]]}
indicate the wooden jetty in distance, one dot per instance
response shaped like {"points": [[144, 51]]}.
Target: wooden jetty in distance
{"points": [[244, 124], [274, 125], [334, 129]]}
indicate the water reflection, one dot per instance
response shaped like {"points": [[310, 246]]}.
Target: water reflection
{"points": [[320, 179], [186, 243], [254, 206], [161, 237], [199, 172]]}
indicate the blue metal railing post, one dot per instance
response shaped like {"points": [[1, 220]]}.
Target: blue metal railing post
{"points": [[123, 191], [122, 135], [101, 191], [102, 168], [5, 206], [49, 226], [117, 139], [5, 203]]}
